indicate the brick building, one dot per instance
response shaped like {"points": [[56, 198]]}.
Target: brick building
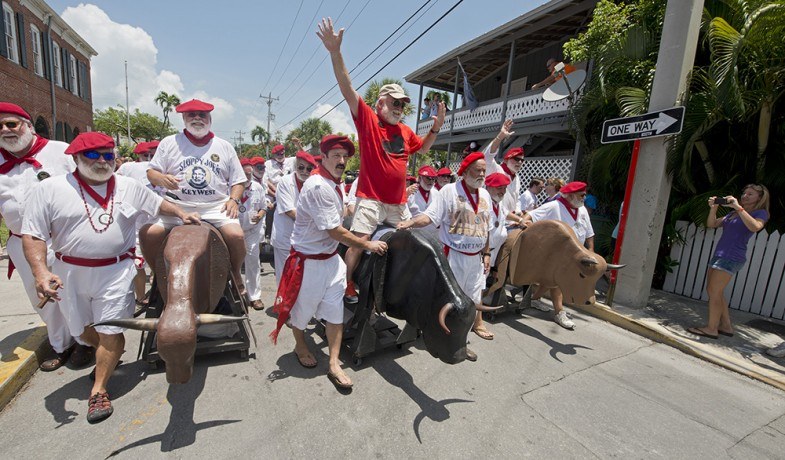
{"points": [[45, 68]]}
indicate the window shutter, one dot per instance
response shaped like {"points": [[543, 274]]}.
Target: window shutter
{"points": [[64, 68], [46, 54], [22, 39], [82, 80], [3, 44]]}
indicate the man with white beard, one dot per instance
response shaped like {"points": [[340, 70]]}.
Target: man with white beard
{"points": [[203, 173], [512, 163], [91, 216], [424, 195], [286, 195], [462, 211], [253, 206], [28, 159], [385, 145], [569, 209]]}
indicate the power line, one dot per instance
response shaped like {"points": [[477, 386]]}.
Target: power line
{"points": [[397, 29], [399, 53], [307, 29], [284, 45]]}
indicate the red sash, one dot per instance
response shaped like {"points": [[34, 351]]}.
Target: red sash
{"points": [[12, 160], [96, 262], [447, 250], [289, 288], [199, 142]]}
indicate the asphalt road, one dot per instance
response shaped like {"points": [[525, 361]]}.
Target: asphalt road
{"points": [[537, 391]]}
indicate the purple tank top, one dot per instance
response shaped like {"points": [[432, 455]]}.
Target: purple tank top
{"points": [[735, 235]]}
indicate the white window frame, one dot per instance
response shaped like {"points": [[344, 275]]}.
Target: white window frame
{"points": [[11, 38], [57, 71], [38, 57], [72, 69]]}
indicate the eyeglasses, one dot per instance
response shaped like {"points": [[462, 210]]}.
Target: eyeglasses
{"points": [[10, 124], [517, 159], [94, 155], [428, 179], [196, 114], [757, 188], [260, 167], [398, 103], [305, 168]]}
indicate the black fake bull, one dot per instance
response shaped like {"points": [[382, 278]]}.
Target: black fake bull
{"points": [[413, 282], [191, 275]]}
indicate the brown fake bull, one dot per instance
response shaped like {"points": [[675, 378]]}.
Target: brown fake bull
{"points": [[549, 254], [193, 271]]}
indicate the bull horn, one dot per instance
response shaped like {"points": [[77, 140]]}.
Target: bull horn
{"points": [[616, 266], [588, 261], [443, 317], [137, 324], [487, 308], [208, 318]]}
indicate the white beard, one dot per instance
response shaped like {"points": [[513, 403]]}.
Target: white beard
{"points": [[426, 187], [497, 198], [23, 140], [198, 130], [389, 117], [474, 182], [95, 172]]}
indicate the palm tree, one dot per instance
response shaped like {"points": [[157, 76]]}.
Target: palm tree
{"points": [[372, 93], [167, 102], [261, 134], [310, 132]]}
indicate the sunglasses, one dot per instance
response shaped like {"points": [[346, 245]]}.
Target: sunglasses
{"points": [[196, 114], [305, 168], [94, 155], [428, 179], [517, 159], [398, 104], [10, 124]]}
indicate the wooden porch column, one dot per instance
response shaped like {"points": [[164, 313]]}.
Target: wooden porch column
{"points": [[452, 113], [509, 82]]}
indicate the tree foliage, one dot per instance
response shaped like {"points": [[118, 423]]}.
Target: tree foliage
{"points": [[310, 132], [372, 93], [144, 126], [167, 102]]}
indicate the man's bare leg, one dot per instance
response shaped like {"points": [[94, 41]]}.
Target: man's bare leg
{"points": [[334, 337], [301, 349], [352, 258], [107, 355], [235, 241], [140, 284], [151, 240]]}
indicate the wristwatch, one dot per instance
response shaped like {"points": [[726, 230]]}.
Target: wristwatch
{"points": [[434, 132]]}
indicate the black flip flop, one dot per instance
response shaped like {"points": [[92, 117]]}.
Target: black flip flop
{"points": [[341, 386], [700, 333], [726, 334]]}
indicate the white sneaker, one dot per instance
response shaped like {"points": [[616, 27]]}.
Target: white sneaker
{"points": [[542, 306], [778, 351], [562, 320]]}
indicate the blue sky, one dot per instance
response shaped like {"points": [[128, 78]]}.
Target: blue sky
{"points": [[225, 52]]}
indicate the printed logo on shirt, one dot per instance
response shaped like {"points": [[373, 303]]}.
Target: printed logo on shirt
{"points": [[215, 157], [197, 177], [394, 145], [43, 175]]}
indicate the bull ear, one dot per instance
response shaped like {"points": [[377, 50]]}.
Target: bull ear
{"points": [[138, 324], [207, 318], [588, 261], [616, 266]]}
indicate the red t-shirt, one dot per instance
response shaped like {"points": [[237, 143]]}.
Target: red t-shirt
{"points": [[384, 153]]}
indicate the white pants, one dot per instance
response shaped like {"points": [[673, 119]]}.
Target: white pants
{"points": [[468, 271], [94, 294], [321, 294], [210, 213], [252, 264], [280, 256], [51, 314]]}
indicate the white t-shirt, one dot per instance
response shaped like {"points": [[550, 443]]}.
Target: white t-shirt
{"points": [[459, 227], [528, 201], [498, 227], [18, 183], [275, 171], [319, 208], [417, 205], [555, 210], [206, 173], [56, 207], [252, 201], [351, 197], [286, 200], [510, 199], [135, 170]]}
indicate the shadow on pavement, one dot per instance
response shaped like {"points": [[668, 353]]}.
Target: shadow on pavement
{"points": [[8, 344], [556, 347]]}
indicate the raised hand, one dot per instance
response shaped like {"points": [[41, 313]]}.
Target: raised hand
{"points": [[326, 33]]}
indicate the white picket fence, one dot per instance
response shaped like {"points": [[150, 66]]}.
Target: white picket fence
{"points": [[757, 288]]}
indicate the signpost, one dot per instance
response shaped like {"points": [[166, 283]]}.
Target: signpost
{"points": [[661, 123]]}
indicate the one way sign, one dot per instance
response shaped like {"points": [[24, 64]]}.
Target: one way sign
{"points": [[654, 124]]}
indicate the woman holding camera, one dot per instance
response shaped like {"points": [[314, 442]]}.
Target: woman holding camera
{"points": [[749, 216]]}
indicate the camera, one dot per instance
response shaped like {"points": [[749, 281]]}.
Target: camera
{"points": [[720, 200]]}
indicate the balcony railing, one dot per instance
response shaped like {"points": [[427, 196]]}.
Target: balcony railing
{"points": [[528, 106]]}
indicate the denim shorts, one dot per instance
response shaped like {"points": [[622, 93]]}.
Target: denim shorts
{"points": [[726, 265]]}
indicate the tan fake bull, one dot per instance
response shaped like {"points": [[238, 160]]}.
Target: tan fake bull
{"points": [[548, 253]]}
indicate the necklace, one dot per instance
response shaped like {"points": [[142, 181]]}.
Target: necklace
{"points": [[104, 219]]}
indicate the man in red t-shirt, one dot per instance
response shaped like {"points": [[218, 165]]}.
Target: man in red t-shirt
{"points": [[385, 146]]}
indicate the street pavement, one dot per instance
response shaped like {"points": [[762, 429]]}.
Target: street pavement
{"points": [[537, 391]]}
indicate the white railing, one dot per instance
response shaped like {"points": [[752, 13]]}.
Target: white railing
{"points": [[527, 106], [757, 288]]}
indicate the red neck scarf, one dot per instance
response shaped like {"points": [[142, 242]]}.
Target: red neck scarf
{"points": [[12, 160], [102, 201], [507, 170], [199, 142], [438, 187], [573, 211], [475, 203], [495, 208], [425, 194], [298, 183], [245, 195], [322, 171]]}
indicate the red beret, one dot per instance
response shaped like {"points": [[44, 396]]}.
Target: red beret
{"points": [[92, 140], [141, 147], [13, 109], [497, 180], [307, 157], [573, 187], [318, 158], [277, 149], [153, 144], [194, 105], [257, 160], [470, 158], [333, 141], [513, 152], [411, 178], [246, 162], [427, 171], [444, 172]]}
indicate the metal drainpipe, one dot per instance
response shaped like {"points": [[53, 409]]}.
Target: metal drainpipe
{"points": [[50, 48]]}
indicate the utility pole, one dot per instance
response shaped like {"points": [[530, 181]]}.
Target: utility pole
{"points": [[650, 193], [127, 108], [240, 141], [270, 116]]}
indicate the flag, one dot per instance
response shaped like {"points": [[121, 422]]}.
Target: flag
{"points": [[468, 92]]}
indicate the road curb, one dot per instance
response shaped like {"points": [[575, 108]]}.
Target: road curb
{"points": [[14, 374], [660, 334]]}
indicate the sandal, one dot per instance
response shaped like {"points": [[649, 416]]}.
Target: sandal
{"points": [[99, 407], [699, 332], [337, 381], [483, 333], [303, 362], [57, 361]]}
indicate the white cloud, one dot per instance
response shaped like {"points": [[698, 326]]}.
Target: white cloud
{"points": [[116, 43], [339, 119]]}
